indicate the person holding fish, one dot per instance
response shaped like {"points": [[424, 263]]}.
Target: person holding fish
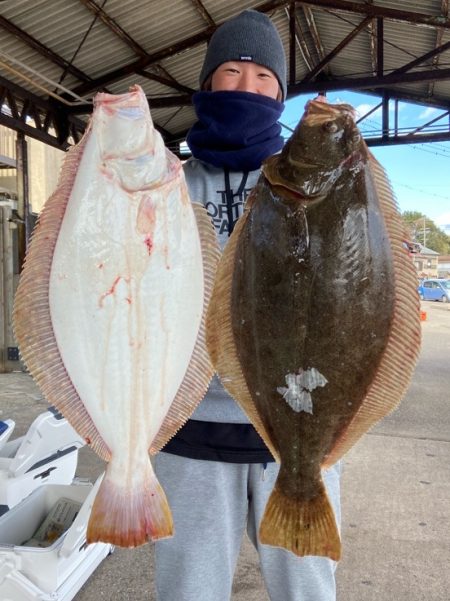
{"points": [[216, 471]]}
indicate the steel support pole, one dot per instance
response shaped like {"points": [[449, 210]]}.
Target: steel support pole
{"points": [[23, 203]]}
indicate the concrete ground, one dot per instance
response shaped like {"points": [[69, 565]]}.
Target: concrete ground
{"points": [[395, 496]]}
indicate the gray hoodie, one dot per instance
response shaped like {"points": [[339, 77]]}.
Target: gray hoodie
{"points": [[208, 185]]}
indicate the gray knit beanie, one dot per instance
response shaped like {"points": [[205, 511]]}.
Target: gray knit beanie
{"points": [[250, 36]]}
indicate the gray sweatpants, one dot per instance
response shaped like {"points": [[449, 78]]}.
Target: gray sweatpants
{"points": [[212, 504]]}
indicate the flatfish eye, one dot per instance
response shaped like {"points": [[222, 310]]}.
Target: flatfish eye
{"points": [[331, 127]]}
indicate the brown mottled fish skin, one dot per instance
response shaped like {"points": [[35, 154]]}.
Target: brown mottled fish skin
{"points": [[316, 278]]}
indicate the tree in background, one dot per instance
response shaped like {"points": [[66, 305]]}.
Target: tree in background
{"points": [[422, 229]]}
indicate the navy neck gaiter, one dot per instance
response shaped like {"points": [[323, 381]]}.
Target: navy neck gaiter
{"points": [[235, 130]]}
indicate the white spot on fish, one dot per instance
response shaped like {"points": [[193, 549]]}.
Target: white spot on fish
{"points": [[297, 394]]}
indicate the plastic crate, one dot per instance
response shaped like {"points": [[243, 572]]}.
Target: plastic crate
{"points": [[47, 454], [55, 572]]}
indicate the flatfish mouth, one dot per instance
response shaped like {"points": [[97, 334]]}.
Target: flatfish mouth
{"points": [[100, 313], [314, 321]]}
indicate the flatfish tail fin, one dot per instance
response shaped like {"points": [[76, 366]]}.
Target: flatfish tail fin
{"points": [[200, 371], [129, 513], [304, 527], [402, 349], [32, 319], [220, 340]]}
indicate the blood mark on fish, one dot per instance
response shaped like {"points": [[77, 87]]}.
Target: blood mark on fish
{"points": [[148, 243], [112, 291]]}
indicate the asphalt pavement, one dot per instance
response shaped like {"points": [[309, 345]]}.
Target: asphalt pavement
{"points": [[395, 495]]}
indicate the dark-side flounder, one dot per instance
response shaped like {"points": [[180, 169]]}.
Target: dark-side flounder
{"points": [[314, 321]]}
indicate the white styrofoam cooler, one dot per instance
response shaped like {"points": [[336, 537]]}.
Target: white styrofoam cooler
{"points": [[56, 572], [46, 454]]}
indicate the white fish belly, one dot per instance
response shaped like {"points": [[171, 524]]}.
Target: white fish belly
{"points": [[126, 299]]}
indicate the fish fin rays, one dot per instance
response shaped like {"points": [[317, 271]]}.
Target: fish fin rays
{"points": [[302, 527], [32, 320], [397, 364], [219, 336], [200, 371], [129, 517]]}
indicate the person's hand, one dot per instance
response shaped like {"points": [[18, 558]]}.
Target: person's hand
{"points": [[321, 98]]}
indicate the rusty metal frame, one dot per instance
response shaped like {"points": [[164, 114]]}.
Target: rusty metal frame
{"points": [[48, 115]]}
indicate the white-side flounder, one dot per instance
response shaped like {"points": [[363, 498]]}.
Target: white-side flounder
{"points": [[109, 313]]}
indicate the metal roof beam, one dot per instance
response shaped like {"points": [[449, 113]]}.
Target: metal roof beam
{"points": [[372, 41], [169, 82], [204, 13], [318, 68], [43, 50], [438, 42], [381, 11], [421, 59], [414, 98], [361, 83], [309, 17], [166, 79], [408, 139], [300, 41], [45, 114], [126, 70], [380, 47], [114, 27], [373, 47], [425, 125]]}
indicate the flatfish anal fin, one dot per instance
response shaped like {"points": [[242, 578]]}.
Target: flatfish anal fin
{"points": [[220, 340], [200, 371], [32, 319], [403, 345]]}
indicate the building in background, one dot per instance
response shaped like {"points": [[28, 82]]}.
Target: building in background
{"points": [[44, 164], [426, 262], [444, 266]]}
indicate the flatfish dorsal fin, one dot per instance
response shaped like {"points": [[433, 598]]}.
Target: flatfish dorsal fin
{"points": [[35, 334], [402, 349]]}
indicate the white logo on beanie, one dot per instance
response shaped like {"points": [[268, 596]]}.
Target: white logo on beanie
{"points": [[246, 57]]}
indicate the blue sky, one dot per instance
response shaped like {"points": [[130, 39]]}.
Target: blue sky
{"points": [[419, 173]]}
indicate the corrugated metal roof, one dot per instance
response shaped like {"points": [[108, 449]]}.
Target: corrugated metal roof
{"points": [[151, 31]]}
